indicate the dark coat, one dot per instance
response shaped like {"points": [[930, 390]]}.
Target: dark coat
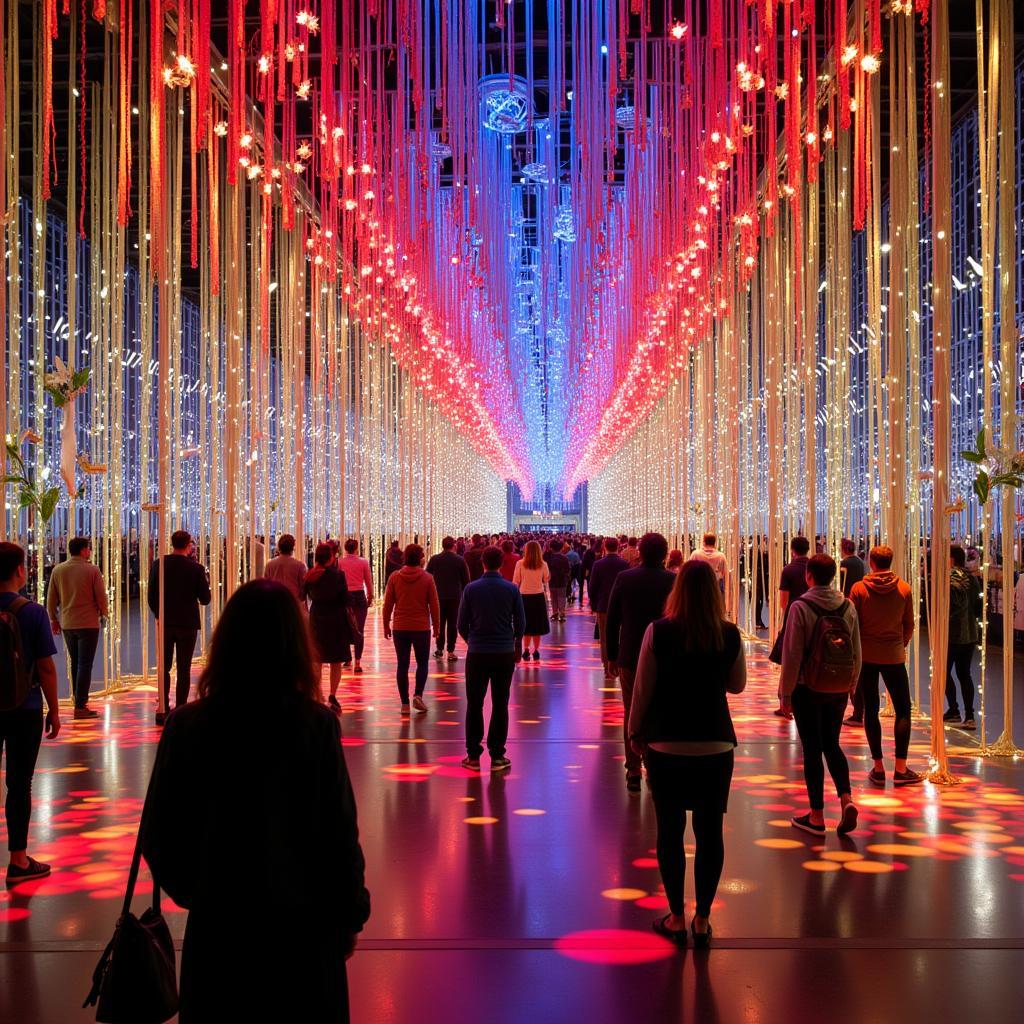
{"points": [[186, 588], [637, 599], [328, 614], [267, 862], [602, 576]]}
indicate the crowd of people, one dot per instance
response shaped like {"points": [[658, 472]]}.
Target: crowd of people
{"points": [[663, 630]]}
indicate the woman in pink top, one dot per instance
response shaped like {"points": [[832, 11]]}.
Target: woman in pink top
{"points": [[531, 575], [360, 593]]}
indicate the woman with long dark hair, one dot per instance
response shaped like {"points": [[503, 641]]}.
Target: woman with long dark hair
{"points": [[243, 851], [327, 590], [679, 721]]}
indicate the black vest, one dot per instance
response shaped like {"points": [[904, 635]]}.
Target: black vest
{"points": [[689, 702]]}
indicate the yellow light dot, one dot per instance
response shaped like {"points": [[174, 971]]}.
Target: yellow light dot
{"points": [[868, 867], [841, 856], [821, 865], [624, 894], [481, 821], [779, 844], [529, 812]]}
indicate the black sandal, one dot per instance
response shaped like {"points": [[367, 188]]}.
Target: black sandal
{"points": [[677, 938], [701, 940]]}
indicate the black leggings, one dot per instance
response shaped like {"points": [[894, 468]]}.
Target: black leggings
{"points": [[819, 720], [897, 684], [667, 774], [21, 732]]}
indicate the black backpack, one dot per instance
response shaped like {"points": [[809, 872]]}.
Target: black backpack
{"points": [[830, 660], [15, 679]]}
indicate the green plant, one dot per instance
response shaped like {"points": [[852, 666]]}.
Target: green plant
{"points": [[44, 501], [997, 467], [63, 384]]}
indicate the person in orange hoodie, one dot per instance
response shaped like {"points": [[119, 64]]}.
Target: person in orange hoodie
{"points": [[411, 596], [885, 607]]}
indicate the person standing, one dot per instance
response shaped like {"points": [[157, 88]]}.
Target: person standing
{"points": [[821, 659], [759, 566], [716, 559], [451, 577], [509, 557], [573, 558], [964, 635], [76, 601], [411, 597], [186, 587], [587, 561], [491, 621], [675, 561], [532, 577], [286, 569], [885, 614], [392, 560], [27, 675], [561, 571], [327, 590], [638, 598], [679, 721], [851, 568], [259, 692], [359, 581], [602, 576]]}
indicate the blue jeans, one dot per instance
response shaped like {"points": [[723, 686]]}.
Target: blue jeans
{"points": [[81, 645], [407, 640]]}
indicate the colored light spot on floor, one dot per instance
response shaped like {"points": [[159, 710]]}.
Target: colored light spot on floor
{"points": [[645, 862], [872, 800], [780, 823], [411, 769], [529, 812], [14, 913], [652, 903], [778, 844], [609, 689], [868, 867], [624, 894], [841, 856], [901, 850], [74, 769], [738, 886], [590, 746], [821, 865], [614, 946], [977, 826], [528, 721], [481, 821], [466, 799]]}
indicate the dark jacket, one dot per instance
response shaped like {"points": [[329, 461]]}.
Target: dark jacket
{"points": [[474, 561], [851, 572], [964, 602], [451, 575], [637, 599], [491, 616], [213, 839], [602, 576], [560, 568], [186, 588]]}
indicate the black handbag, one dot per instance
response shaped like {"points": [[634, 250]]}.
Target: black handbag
{"points": [[135, 981]]}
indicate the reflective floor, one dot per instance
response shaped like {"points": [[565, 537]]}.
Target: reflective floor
{"points": [[529, 897]]}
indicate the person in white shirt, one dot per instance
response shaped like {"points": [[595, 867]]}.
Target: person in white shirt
{"points": [[531, 576], [709, 553]]}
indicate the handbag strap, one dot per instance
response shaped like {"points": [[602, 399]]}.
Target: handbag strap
{"points": [[133, 873]]}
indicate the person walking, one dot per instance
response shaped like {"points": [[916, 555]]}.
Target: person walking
{"points": [[532, 577], [792, 585], [587, 561], [573, 558], [186, 588], [821, 659], [679, 721], [509, 557], [27, 675], [327, 590], [561, 571], [411, 597], [716, 559], [637, 599], [286, 569], [202, 813], [675, 561], [451, 577], [392, 560], [602, 576], [631, 552], [359, 581], [885, 615], [759, 566], [76, 601], [964, 636], [492, 619], [474, 557]]}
